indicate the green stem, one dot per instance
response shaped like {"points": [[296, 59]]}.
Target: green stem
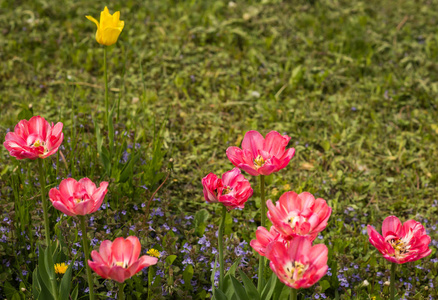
{"points": [[121, 292], [221, 247], [105, 77], [393, 267], [42, 178], [86, 255], [149, 281], [293, 294], [261, 280]]}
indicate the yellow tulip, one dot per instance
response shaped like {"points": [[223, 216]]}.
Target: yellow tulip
{"points": [[109, 28]]}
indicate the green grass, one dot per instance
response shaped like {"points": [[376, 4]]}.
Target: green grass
{"points": [[354, 83]]}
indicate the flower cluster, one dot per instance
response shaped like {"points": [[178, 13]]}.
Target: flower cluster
{"points": [[297, 220]]}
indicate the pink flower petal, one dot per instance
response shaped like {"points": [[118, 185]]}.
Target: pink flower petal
{"points": [[253, 141]]}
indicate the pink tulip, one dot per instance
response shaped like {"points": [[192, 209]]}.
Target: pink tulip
{"points": [[233, 190], [34, 139], [400, 243], [264, 238], [260, 156], [78, 197], [299, 264], [119, 260], [299, 215]]}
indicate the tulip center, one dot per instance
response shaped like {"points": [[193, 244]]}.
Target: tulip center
{"points": [[37, 143], [259, 162], [293, 219], [401, 246], [228, 189], [80, 196], [121, 264], [295, 271]]}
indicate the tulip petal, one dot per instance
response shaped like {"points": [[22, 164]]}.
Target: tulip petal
{"points": [[275, 143], [93, 20], [100, 269], [391, 224], [62, 208], [253, 141], [105, 250], [67, 187], [89, 186], [109, 36], [121, 250], [136, 248], [119, 274]]}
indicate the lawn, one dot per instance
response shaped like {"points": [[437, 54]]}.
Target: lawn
{"points": [[353, 83]]}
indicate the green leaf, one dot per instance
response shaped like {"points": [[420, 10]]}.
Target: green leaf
{"points": [[284, 295], [232, 270], [228, 287], [269, 287], [16, 296], [325, 145], [36, 287], [45, 280], [219, 295], [187, 276], [250, 288], [127, 169], [9, 290], [25, 113], [65, 286], [48, 263], [98, 138], [279, 286], [238, 289], [105, 158], [201, 218], [213, 273], [170, 259], [43, 293], [74, 294], [324, 284]]}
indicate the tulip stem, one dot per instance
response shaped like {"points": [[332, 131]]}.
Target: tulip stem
{"points": [[261, 279], [86, 256], [105, 76], [293, 294], [121, 292], [149, 281], [221, 247], [42, 178], [392, 283]]}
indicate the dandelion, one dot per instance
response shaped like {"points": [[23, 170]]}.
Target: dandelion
{"points": [[61, 268], [153, 252]]}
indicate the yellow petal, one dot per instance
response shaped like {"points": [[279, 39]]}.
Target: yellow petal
{"points": [[120, 25], [93, 20], [105, 18], [109, 36], [116, 18]]}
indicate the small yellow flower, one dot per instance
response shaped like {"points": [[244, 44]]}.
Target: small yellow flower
{"points": [[153, 252], [61, 268], [109, 28]]}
